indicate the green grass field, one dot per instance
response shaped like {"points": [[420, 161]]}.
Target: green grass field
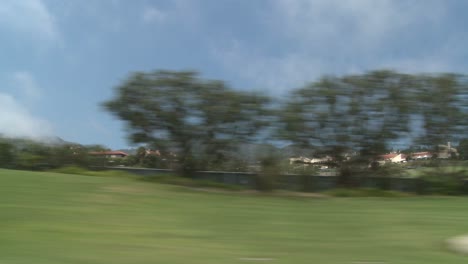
{"points": [[61, 218]]}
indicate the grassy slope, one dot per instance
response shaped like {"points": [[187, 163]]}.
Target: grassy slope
{"points": [[59, 218]]}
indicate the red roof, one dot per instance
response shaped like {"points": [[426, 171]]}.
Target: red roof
{"points": [[388, 156], [391, 156]]}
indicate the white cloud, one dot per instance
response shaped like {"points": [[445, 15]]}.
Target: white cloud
{"points": [[277, 73], [16, 121], [351, 25], [185, 13], [26, 84], [336, 37], [29, 17], [153, 14]]}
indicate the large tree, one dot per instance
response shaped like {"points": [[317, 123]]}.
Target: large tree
{"points": [[440, 108], [360, 113], [6, 154], [196, 119], [368, 113]]}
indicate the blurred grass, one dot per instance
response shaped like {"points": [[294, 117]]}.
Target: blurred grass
{"points": [[99, 173], [164, 179], [364, 192], [64, 218]]}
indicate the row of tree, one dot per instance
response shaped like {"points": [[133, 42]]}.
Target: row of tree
{"points": [[28, 154], [204, 121]]}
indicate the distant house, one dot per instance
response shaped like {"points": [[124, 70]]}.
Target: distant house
{"points": [[392, 158], [421, 155], [310, 160], [446, 151], [109, 154], [322, 163], [153, 152], [443, 152]]}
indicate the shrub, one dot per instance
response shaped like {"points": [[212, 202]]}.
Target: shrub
{"points": [[447, 178], [443, 183], [70, 170], [266, 179]]}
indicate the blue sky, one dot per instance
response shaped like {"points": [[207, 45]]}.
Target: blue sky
{"points": [[60, 58]]}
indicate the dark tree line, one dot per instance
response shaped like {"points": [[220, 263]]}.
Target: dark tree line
{"points": [[34, 155]]}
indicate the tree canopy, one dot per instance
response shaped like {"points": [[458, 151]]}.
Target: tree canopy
{"points": [[197, 119], [360, 116], [368, 112]]}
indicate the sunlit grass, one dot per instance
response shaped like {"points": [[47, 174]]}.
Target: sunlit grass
{"points": [[63, 218]]}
